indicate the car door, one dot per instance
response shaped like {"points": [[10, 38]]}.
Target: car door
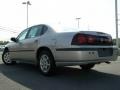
{"points": [[15, 48], [29, 45]]}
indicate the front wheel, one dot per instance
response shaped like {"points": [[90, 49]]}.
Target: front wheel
{"points": [[46, 63], [87, 66], [6, 58]]}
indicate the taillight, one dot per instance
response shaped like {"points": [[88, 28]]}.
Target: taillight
{"points": [[86, 39], [83, 39], [110, 40], [91, 39]]}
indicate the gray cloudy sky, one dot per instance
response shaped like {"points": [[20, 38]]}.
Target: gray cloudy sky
{"points": [[96, 15]]}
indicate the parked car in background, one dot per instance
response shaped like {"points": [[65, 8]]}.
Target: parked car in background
{"points": [[46, 48], [2, 47]]}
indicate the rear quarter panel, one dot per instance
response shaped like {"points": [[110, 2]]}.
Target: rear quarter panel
{"points": [[63, 40], [47, 40], [55, 41]]}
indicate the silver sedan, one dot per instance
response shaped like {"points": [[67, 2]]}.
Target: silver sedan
{"points": [[43, 46]]}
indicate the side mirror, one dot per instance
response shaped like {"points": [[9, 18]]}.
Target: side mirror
{"points": [[14, 39]]}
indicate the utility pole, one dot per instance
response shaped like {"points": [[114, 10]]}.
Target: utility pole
{"points": [[116, 23], [27, 4], [78, 21]]}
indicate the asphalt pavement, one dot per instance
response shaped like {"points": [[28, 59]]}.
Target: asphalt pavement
{"points": [[27, 77]]}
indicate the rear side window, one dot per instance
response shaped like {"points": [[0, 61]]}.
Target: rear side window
{"points": [[36, 31], [33, 32], [40, 27], [44, 29]]}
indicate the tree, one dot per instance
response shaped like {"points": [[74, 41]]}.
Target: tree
{"points": [[3, 42]]}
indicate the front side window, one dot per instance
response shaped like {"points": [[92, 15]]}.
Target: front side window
{"points": [[22, 35]]}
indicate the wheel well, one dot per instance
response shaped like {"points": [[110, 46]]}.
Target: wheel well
{"points": [[6, 49], [43, 49]]}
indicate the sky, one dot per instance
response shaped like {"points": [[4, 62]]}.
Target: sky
{"points": [[96, 15]]}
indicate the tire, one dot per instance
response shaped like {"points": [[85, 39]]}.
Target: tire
{"points": [[87, 66], [46, 63], [6, 58]]}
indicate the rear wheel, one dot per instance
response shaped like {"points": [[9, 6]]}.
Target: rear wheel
{"points": [[6, 58], [46, 63], [87, 66]]}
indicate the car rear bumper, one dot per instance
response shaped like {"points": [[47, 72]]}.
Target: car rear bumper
{"points": [[86, 55]]}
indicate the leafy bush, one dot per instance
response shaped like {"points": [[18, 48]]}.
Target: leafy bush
{"points": [[3, 42]]}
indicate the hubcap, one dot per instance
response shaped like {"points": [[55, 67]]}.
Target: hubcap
{"points": [[7, 57], [44, 63]]}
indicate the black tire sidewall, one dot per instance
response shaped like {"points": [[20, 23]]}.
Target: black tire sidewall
{"points": [[87, 66]]}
